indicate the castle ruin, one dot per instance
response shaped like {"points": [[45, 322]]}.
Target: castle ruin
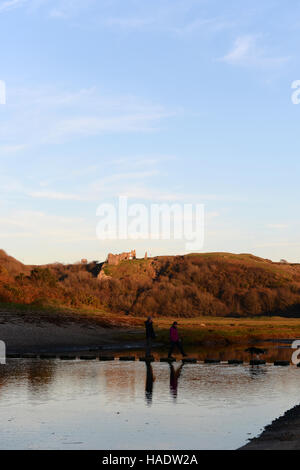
{"points": [[116, 259]]}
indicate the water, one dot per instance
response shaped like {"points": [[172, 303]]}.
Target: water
{"points": [[113, 405]]}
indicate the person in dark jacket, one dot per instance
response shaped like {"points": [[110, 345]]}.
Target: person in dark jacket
{"points": [[175, 340], [150, 335]]}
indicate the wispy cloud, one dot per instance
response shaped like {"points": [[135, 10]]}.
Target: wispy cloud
{"points": [[45, 116], [130, 23], [277, 226], [248, 51], [11, 4], [55, 195], [38, 224]]}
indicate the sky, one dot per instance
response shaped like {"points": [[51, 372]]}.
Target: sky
{"points": [[164, 101]]}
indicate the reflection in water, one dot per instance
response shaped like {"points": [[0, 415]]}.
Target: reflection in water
{"points": [[174, 377], [112, 405], [273, 351], [256, 371], [149, 382]]}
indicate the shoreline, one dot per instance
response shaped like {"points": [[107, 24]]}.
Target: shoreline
{"points": [[47, 335], [36, 329], [282, 434]]}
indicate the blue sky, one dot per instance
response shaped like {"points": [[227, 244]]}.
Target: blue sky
{"points": [[162, 100]]}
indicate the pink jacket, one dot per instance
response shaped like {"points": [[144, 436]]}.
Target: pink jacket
{"points": [[174, 334]]}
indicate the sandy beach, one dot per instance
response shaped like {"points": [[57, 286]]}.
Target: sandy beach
{"points": [[25, 334]]}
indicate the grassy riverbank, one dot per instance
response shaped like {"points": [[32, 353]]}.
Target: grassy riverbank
{"points": [[222, 331], [199, 331]]}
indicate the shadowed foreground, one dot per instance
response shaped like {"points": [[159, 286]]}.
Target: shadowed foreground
{"points": [[282, 434]]}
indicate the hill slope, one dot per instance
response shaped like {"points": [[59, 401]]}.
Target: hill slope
{"points": [[214, 284], [12, 266], [218, 284]]}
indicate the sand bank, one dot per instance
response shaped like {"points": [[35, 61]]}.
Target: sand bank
{"points": [[282, 434]]}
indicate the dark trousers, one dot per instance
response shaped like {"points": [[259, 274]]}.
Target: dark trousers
{"points": [[179, 346]]}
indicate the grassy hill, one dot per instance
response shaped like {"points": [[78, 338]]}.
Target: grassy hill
{"points": [[210, 284], [11, 266]]}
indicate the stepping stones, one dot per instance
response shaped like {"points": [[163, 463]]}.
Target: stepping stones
{"points": [[29, 356], [87, 358], [189, 360], [281, 363], [67, 358], [235, 361], [212, 361], [167, 359], [127, 358], [106, 358], [257, 362], [147, 359], [47, 356]]}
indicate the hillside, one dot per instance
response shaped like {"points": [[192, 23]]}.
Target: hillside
{"points": [[213, 284], [11, 266]]}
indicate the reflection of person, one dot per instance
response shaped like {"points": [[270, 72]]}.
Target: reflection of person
{"points": [[175, 340], [149, 382], [174, 377], [150, 335]]}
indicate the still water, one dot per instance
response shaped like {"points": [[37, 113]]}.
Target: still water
{"points": [[114, 405]]}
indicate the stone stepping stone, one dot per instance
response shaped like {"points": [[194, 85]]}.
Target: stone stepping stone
{"points": [[189, 360], [47, 356], [212, 361], [281, 363], [87, 358], [67, 358], [167, 359], [257, 362], [106, 358], [235, 361], [127, 358], [147, 359]]}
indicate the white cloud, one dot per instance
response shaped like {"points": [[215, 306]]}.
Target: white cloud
{"points": [[11, 4], [55, 195], [278, 244], [9, 149], [248, 52], [40, 225], [277, 226], [130, 23], [42, 116]]}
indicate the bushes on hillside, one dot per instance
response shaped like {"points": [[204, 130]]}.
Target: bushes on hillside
{"points": [[172, 286]]}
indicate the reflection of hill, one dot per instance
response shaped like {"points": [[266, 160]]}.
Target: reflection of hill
{"points": [[36, 376]]}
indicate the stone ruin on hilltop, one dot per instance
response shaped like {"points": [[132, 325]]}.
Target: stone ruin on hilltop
{"points": [[116, 259]]}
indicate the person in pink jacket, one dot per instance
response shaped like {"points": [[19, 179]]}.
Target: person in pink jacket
{"points": [[175, 340]]}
